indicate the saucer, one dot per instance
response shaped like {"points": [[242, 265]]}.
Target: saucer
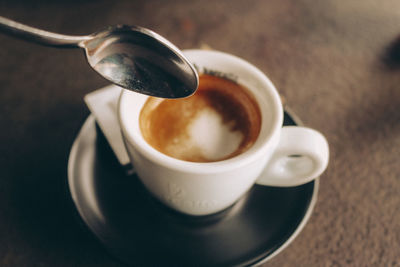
{"points": [[138, 230]]}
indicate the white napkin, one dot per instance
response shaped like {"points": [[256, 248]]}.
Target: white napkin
{"points": [[103, 104]]}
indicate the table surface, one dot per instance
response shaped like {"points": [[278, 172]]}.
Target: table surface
{"points": [[336, 64]]}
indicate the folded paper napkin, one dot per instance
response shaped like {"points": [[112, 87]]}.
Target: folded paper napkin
{"points": [[103, 104]]}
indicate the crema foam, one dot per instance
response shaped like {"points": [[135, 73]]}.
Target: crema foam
{"points": [[220, 121]]}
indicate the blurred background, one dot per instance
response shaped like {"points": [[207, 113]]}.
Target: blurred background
{"points": [[335, 63]]}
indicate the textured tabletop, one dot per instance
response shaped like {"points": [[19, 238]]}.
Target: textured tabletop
{"points": [[336, 64]]}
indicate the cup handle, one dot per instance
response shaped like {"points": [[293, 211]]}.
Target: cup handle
{"points": [[301, 156]]}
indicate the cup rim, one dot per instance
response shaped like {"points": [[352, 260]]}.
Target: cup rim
{"points": [[157, 157]]}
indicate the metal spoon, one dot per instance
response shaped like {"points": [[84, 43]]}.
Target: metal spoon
{"points": [[129, 56]]}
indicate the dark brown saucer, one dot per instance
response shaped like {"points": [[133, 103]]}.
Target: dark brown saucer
{"points": [[139, 231]]}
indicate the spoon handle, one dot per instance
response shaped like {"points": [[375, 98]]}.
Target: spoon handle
{"points": [[40, 36]]}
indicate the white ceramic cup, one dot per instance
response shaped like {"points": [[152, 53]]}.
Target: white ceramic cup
{"points": [[281, 156]]}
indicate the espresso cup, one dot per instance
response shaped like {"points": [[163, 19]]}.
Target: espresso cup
{"points": [[279, 156]]}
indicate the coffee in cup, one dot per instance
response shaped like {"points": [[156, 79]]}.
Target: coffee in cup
{"points": [[220, 121]]}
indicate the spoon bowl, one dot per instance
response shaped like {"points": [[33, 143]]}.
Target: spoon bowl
{"points": [[141, 60]]}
